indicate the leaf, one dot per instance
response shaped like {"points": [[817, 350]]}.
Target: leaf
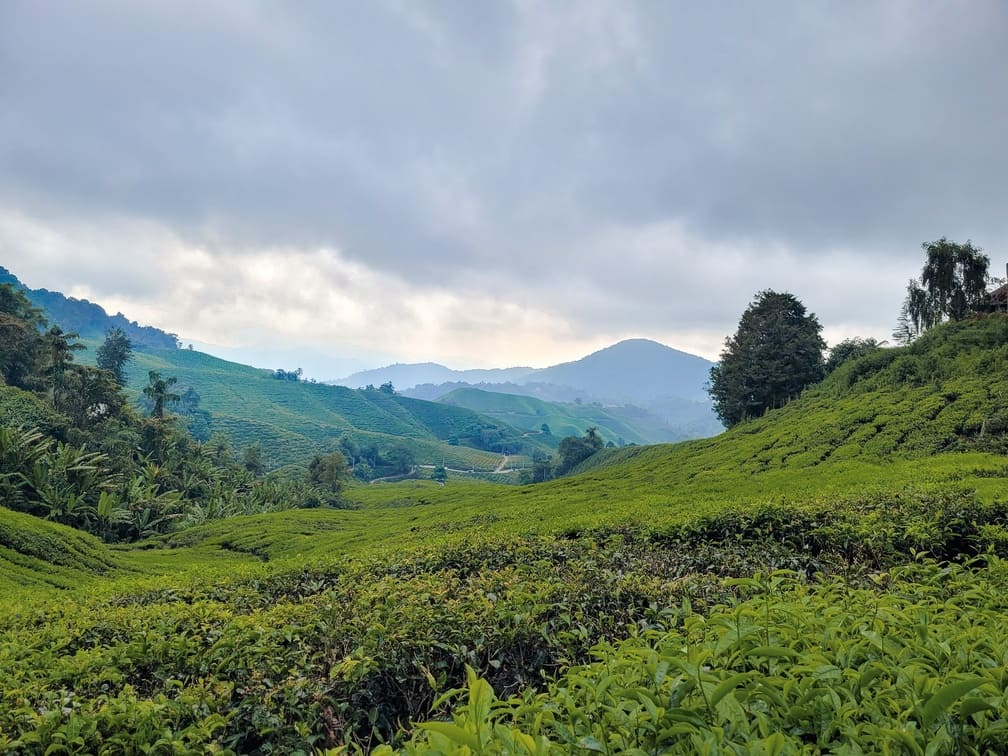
{"points": [[727, 686], [453, 732], [772, 652], [940, 702], [589, 743], [973, 705]]}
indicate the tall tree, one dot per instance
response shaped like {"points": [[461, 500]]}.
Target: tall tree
{"points": [[329, 471], [20, 339], [60, 347], [115, 353], [775, 353], [157, 390], [952, 284]]}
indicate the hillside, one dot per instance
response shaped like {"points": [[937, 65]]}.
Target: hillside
{"points": [[619, 425], [294, 419], [88, 319], [830, 577]]}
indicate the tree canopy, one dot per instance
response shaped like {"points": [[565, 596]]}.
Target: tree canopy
{"points": [[849, 349], [115, 353], [952, 284], [157, 391], [774, 354]]}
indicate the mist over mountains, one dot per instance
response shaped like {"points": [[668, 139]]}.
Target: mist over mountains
{"points": [[666, 384], [630, 370]]}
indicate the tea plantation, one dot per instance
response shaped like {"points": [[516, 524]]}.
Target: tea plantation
{"points": [[830, 578]]}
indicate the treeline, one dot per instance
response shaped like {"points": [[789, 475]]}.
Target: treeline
{"points": [[778, 350], [74, 450]]}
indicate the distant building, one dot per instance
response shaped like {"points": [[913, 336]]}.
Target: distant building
{"points": [[996, 300]]}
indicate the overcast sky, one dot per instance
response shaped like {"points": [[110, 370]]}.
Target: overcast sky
{"points": [[494, 183]]}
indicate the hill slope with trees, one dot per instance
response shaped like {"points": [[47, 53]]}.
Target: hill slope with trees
{"points": [[292, 419], [88, 320]]}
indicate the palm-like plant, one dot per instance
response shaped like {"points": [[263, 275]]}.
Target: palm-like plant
{"points": [[157, 390]]}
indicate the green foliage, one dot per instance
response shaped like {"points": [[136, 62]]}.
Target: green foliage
{"points": [[775, 353], [574, 450], [952, 284], [329, 472], [115, 353], [849, 349], [20, 340], [157, 392], [795, 668], [637, 605]]}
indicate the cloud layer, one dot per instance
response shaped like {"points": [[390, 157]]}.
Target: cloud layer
{"points": [[486, 184]]}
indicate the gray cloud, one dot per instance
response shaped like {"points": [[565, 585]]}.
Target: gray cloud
{"points": [[616, 168]]}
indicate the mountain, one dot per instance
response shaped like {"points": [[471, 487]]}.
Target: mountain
{"points": [[404, 376], [630, 370], [633, 370], [88, 319]]}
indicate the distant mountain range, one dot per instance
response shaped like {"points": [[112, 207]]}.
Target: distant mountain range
{"points": [[88, 319], [631, 370], [661, 388], [404, 376]]}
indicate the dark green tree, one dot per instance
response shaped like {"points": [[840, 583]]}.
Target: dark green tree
{"points": [[573, 450], [60, 347], [401, 458], [115, 353], [89, 395], [252, 459], [20, 339], [952, 284], [776, 352], [157, 391], [850, 349], [328, 472]]}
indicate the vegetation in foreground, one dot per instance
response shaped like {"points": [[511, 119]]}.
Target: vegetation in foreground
{"points": [[827, 578], [637, 605]]}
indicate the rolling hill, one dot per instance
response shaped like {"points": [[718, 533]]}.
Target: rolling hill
{"points": [[620, 425], [294, 419], [664, 385]]}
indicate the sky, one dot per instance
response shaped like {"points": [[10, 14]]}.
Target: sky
{"points": [[346, 184]]}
